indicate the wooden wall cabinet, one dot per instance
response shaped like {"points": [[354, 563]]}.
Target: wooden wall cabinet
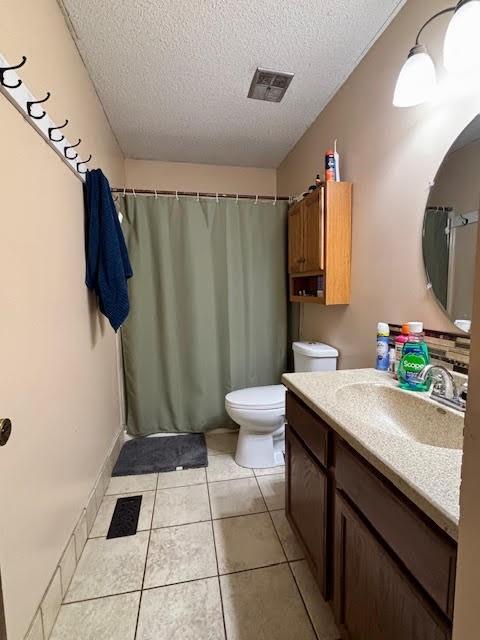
{"points": [[389, 568], [319, 245]]}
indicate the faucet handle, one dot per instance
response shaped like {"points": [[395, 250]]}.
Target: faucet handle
{"points": [[464, 391], [438, 383]]}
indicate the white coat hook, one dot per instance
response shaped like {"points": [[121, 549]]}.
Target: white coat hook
{"points": [[216, 198], [176, 194], [236, 199], [134, 194], [256, 199], [156, 194]]}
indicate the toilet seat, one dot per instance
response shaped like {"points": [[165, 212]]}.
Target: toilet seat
{"points": [[257, 398]]}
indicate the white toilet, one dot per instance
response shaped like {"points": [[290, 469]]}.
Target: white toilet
{"points": [[260, 411]]}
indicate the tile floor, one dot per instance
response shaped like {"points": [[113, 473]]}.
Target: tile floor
{"points": [[214, 558]]}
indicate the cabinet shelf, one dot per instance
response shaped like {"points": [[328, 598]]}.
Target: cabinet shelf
{"points": [[319, 244], [314, 299]]}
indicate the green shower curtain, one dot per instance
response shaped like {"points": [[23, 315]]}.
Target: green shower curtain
{"points": [[208, 307]]}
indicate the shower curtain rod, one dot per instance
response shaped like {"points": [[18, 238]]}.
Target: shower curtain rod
{"points": [[200, 194]]}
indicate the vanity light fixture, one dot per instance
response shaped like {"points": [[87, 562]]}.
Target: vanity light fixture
{"points": [[461, 52], [461, 49]]}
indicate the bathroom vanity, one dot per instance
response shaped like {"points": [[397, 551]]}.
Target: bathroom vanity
{"points": [[372, 486]]}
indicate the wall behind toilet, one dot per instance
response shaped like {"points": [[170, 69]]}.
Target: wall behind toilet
{"points": [[391, 155]]}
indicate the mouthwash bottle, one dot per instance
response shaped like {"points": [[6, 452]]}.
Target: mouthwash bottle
{"points": [[415, 358]]}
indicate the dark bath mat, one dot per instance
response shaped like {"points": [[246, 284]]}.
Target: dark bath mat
{"points": [[151, 455], [125, 517]]}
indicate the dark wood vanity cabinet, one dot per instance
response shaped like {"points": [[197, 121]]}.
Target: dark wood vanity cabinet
{"points": [[374, 599], [307, 504], [388, 569]]}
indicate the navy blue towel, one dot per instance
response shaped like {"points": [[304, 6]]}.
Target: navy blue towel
{"points": [[108, 266]]}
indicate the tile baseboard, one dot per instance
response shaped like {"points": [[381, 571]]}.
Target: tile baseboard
{"points": [[70, 556]]}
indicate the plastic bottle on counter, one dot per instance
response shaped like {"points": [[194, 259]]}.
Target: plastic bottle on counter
{"points": [[400, 340], [414, 359], [383, 333]]}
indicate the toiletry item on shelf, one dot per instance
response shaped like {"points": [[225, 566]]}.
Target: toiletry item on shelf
{"points": [[337, 161], [383, 332], [318, 181], [330, 166], [415, 358], [391, 361], [400, 340]]}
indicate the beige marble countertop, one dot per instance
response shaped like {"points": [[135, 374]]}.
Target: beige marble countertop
{"points": [[428, 475]]}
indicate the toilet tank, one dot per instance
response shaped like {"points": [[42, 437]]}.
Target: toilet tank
{"points": [[314, 356]]}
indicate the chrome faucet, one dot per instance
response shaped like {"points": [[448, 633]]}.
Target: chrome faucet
{"points": [[444, 388]]}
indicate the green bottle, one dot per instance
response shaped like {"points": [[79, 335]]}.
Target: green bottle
{"points": [[415, 358]]}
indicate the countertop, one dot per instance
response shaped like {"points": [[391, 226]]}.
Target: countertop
{"points": [[429, 476]]}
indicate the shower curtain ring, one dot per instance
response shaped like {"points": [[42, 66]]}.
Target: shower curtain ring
{"points": [[236, 199], [134, 194], [216, 198], [198, 196], [256, 199], [176, 194], [275, 201], [156, 194], [124, 191]]}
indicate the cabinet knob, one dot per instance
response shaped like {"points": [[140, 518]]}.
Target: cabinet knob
{"points": [[5, 430]]}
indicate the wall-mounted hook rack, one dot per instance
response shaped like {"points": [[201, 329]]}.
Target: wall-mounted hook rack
{"points": [[5, 69], [16, 92], [51, 129], [83, 162], [71, 146], [32, 103]]}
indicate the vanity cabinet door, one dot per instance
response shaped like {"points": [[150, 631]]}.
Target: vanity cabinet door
{"points": [[373, 598], [306, 502]]}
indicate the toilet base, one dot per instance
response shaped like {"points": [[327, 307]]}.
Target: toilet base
{"points": [[260, 450]]}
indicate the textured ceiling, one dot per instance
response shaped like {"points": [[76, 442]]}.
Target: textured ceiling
{"points": [[173, 75]]}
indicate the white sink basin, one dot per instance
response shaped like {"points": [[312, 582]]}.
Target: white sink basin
{"points": [[405, 415]]}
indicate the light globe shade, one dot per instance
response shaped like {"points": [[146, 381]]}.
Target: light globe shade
{"points": [[417, 80], [461, 48]]}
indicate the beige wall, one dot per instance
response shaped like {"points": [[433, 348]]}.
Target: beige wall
{"points": [[210, 178], [457, 184], [467, 597], [57, 376], [391, 155]]}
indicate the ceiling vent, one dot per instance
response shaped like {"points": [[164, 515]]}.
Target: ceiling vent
{"points": [[269, 85]]}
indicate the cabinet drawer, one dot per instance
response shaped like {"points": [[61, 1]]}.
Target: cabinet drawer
{"points": [[309, 427], [424, 550]]}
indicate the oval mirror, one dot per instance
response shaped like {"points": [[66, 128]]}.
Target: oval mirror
{"points": [[450, 227]]}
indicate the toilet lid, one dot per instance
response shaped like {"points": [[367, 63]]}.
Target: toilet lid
{"points": [[269, 397]]}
